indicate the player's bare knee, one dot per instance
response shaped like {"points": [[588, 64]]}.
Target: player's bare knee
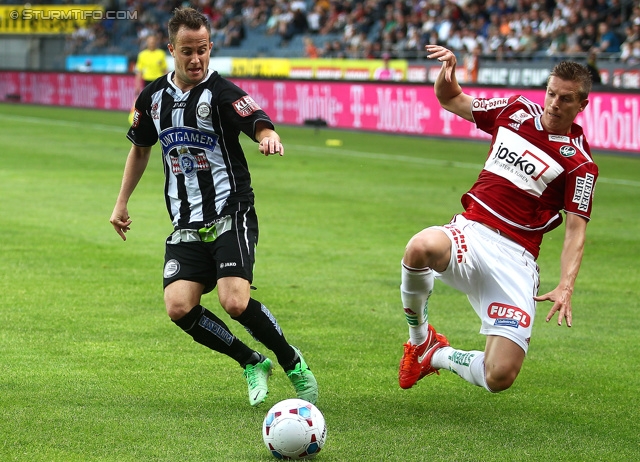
{"points": [[233, 304], [177, 310], [500, 378], [415, 254]]}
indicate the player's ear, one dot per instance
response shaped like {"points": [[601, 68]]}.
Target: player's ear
{"points": [[170, 48], [584, 104]]}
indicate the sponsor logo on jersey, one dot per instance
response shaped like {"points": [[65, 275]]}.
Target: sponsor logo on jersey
{"points": [[583, 191], [507, 315], [177, 136], [136, 118], [567, 151], [179, 104], [515, 126], [520, 116], [185, 149], [527, 162], [521, 162], [228, 264], [203, 110], [246, 106], [155, 114], [488, 104], [559, 139]]}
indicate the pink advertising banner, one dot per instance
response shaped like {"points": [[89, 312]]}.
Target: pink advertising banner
{"points": [[611, 121]]}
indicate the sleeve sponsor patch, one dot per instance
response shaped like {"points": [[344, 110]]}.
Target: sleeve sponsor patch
{"points": [[136, 118], [583, 191], [245, 106], [481, 104]]}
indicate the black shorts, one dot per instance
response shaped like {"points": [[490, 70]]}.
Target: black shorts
{"points": [[231, 253]]}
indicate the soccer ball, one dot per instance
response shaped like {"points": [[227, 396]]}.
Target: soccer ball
{"points": [[294, 429]]}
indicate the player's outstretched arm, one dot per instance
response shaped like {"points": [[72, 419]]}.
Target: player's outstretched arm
{"points": [[268, 141], [135, 166], [570, 260], [447, 90]]}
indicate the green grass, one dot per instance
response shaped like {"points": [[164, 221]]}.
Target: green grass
{"points": [[91, 368]]}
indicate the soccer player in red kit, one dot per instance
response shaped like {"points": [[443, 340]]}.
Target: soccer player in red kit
{"points": [[539, 165]]}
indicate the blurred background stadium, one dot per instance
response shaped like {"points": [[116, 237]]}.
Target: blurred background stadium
{"points": [[503, 46], [492, 30]]}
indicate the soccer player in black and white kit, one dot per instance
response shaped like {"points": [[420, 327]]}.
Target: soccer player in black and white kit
{"points": [[197, 116]]}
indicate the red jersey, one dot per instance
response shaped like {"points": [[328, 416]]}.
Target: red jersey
{"points": [[530, 175]]}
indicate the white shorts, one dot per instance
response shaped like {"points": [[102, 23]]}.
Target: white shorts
{"points": [[498, 275]]}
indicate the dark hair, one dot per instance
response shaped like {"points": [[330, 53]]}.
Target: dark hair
{"points": [[189, 18], [570, 70]]}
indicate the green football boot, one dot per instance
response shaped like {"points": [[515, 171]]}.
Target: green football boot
{"points": [[303, 380], [257, 377]]}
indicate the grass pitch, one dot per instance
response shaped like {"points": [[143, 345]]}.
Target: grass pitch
{"points": [[92, 369]]}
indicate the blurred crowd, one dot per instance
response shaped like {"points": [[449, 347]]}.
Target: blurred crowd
{"points": [[496, 29]]}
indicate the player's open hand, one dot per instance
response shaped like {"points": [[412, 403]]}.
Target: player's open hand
{"points": [[445, 56], [561, 304], [121, 221], [271, 145]]}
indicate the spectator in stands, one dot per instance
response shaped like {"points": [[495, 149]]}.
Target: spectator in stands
{"points": [[527, 42], [471, 62], [273, 23], [298, 24], [390, 23], [316, 19], [255, 13], [234, 33], [630, 54], [558, 44], [573, 39], [608, 41], [310, 49], [588, 40]]}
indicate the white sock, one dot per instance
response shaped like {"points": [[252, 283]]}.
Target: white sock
{"points": [[415, 289], [469, 365]]}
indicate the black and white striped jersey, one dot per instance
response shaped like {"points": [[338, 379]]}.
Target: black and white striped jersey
{"points": [[204, 164]]}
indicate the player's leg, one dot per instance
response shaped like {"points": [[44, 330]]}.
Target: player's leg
{"points": [[500, 279], [495, 369], [182, 300], [428, 250], [237, 247]]}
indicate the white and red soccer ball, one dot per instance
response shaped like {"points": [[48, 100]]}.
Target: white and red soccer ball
{"points": [[294, 429]]}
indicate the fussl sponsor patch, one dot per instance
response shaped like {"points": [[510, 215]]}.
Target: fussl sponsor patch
{"points": [[507, 315]]}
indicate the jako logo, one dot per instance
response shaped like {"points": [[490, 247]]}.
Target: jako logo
{"points": [[500, 311], [226, 265]]}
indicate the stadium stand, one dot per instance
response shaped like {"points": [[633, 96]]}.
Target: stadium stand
{"points": [[498, 29]]}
